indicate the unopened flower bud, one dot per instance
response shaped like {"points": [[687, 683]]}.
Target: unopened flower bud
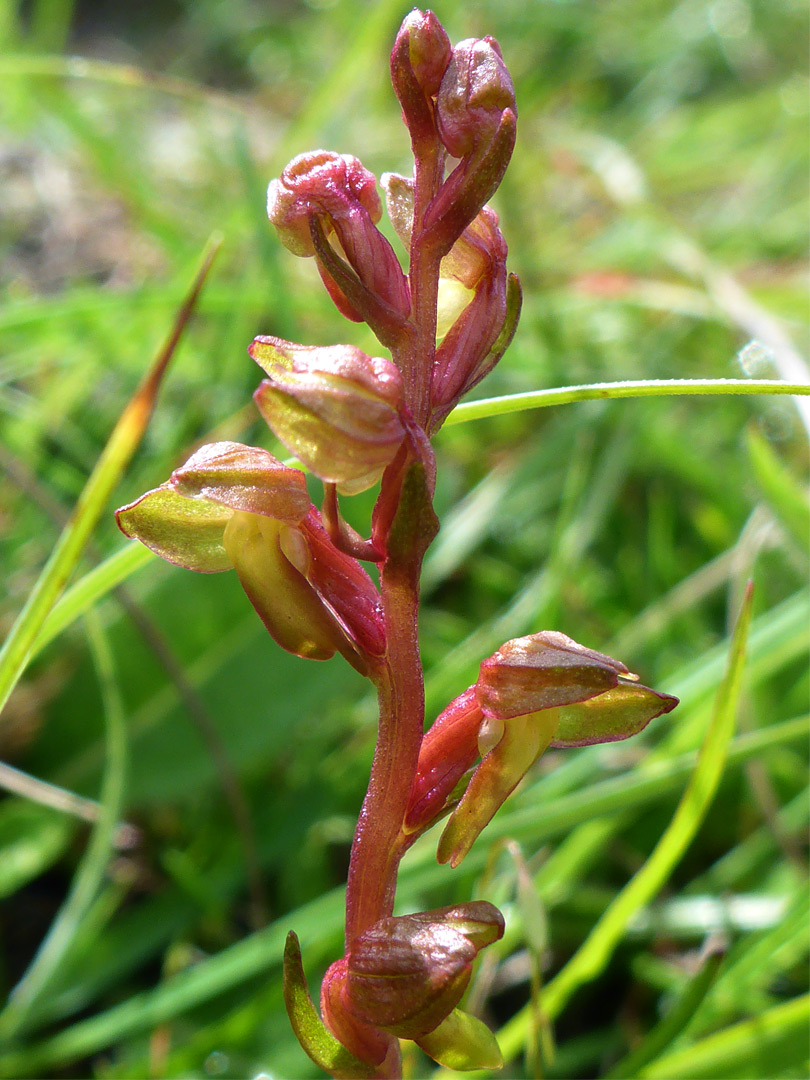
{"points": [[406, 974], [475, 92], [429, 49], [343, 586], [335, 408], [419, 59]]}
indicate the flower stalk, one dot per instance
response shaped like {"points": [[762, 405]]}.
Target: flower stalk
{"points": [[356, 421]]}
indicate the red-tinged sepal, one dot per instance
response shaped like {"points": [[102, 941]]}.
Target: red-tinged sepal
{"points": [[406, 974], [469, 341], [449, 749], [343, 586], [337, 409], [469, 187], [317, 1041], [446, 393], [541, 671], [184, 519]]}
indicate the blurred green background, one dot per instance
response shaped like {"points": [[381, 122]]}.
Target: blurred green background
{"points": [[656, 212]]}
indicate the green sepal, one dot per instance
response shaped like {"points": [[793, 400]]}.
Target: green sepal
{"points": [[462, 1042], [316, 1040], [184, 531], [614, 715]]}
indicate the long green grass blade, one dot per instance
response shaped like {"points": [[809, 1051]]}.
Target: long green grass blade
{"points": [[91, 588], [120, 447], [758, 1046], [786, 495], [671, 1025]]}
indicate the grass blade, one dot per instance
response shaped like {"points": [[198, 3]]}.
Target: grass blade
{"points": [[567, 395], [91, 588], [92, 502], [667, 1029], [753, 1044]]}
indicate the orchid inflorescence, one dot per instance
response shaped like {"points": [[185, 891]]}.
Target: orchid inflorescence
{"points": [[355, 420]]}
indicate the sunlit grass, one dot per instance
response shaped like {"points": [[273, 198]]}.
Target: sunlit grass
{"points": [[656, 213]]}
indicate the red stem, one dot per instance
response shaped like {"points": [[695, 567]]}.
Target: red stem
{"points": [[376, 851]]}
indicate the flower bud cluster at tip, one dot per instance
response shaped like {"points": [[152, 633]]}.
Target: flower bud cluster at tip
{"points": [[457, 101]]}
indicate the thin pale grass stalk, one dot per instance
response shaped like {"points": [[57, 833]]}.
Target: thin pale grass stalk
{"points": [[194, 705], [31, 788], [745, 312], [93, 866], [660, 1037], [26, 65], [567, 395]]}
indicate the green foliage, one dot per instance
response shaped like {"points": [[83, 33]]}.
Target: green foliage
{"points": [[656, 214]]}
